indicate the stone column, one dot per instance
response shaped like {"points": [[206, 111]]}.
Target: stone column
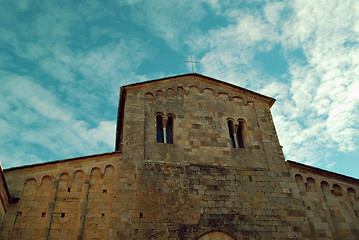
{"points": [[50, 210], [83, 209]]}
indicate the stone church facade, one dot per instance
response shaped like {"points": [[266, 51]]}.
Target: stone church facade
{"points": [[195, 158]]}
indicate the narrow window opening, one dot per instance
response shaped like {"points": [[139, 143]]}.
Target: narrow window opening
{"points": [[231, 133], [102, 214], [43, 214], [169, 130], [159, 137], [141, 215], [62, 215], [69, 189], [18, 213], [104, 191], [240, 135]]}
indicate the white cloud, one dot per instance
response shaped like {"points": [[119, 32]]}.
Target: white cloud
{"points": [[231, 49], [105, 133], [33, 115], [276, 90], [272, 11], [323, 89]]}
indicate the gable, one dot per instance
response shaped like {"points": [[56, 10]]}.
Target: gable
{"points": [[196, 82]]}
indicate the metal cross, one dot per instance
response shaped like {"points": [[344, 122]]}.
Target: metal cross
{"points": [[192, 62]]}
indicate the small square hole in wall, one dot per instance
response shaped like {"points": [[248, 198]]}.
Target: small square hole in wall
{"points": [[43, 214], [102, 214], [18, 213], [250, 178], [141, 215], [104, 191], [62, 214]]}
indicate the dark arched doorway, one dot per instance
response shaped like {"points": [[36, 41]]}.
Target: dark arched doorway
{"points": [[215, 236]]}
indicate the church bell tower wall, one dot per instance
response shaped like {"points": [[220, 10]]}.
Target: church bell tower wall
{"points": [[204, 179], [200, 110]]}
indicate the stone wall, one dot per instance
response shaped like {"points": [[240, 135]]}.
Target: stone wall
{"points": [[188, 200], [4, 195], [56, 198], [105, 197], [330, 201]]}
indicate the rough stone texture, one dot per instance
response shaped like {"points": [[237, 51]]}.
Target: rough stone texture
{"points": [[199, 187], [330, 201], [4, 195]]}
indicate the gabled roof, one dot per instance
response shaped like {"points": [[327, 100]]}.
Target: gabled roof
{"points": [[216, 81]]}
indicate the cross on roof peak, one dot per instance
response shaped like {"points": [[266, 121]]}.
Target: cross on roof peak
{"points": [[192, 62]]}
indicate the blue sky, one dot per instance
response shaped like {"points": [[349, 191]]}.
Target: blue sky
{"points": [[62, 64]]}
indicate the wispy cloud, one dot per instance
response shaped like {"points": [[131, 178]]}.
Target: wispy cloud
{"points": [[54, 89], [33, 114], [324, 87]]}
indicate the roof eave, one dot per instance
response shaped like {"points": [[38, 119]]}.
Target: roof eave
{"points": [[322, 172], [59, 161]]}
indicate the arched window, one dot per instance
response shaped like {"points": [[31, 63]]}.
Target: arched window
{"points": [[240, 131], [231, 132], [236, 133], [169, 130], [159, 127], [164, 128]]}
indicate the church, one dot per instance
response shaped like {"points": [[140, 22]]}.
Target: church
{"points": [[195, 158]]}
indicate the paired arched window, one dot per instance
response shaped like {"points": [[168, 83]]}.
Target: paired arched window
{"points": [[236, 133], [169, 130], [231, 133], [240, 133], [164, 129], [159, 135]]}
